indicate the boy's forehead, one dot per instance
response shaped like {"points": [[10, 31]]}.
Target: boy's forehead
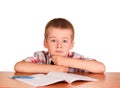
{"points": [[53, 29], [62, 32], [59, 31]]}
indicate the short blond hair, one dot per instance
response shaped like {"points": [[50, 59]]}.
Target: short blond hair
{"points": [[59, 23]]}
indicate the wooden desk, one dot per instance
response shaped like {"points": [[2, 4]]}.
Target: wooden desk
{"points": [[106, 80]]}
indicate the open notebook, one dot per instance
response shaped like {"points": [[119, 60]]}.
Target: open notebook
{"points": [[54, 77]]}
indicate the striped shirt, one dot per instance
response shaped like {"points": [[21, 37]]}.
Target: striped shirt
{"points": [[43, 57]]}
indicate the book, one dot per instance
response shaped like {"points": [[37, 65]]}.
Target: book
{"points": [[53, 77]]}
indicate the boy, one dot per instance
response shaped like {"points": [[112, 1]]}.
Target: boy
{"points": [[59, 40]]}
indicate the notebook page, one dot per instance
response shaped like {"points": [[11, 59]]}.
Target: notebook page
{"points": [[69, 77], [40, 80]]}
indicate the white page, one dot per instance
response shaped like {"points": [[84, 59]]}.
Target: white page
{"points": [[41, 80], [53, 77], [69, 77]]}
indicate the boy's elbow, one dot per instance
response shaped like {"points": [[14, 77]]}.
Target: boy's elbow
{"points": [[17, 66], [101, 69]]}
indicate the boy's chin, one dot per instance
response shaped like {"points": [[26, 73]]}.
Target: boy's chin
{"points": [[58, 55]]}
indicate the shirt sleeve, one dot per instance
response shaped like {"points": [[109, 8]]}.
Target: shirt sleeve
{"points": [[38, 57]]}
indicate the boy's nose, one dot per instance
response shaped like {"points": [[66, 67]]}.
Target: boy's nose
{"points": [[59, 45]]}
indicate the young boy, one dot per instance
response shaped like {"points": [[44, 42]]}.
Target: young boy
{"points": [[59, 40]]}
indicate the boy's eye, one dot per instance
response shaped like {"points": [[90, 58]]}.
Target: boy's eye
{"points": [[65, 41], [53, 40]]}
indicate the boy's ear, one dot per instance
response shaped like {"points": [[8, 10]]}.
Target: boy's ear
{"points": [[45, 44], [72, 44]]}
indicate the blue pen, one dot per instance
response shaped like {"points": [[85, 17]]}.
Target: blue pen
{"points": [[22, 77]]}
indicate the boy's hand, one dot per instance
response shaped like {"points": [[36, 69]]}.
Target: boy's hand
{"points": [[58, 60]]}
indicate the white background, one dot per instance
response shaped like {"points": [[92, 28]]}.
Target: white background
{"points": [[96, 22]]}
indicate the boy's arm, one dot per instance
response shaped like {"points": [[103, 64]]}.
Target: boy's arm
{"points": [[29, 67], [88, 65]]}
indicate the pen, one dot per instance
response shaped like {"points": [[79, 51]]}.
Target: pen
{"points": [[22, 77]]}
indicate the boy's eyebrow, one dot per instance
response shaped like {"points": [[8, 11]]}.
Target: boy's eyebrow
{"points": [[62, 38], [66, 38], [52, 37]]}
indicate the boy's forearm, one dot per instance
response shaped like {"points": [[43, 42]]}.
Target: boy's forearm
{"points": [[29, 67], [88, 65]]}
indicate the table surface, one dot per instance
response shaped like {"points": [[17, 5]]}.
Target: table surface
{"points": [[106, 80]]}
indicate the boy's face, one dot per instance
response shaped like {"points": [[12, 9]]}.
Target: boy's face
{"points": [[59, 41]]}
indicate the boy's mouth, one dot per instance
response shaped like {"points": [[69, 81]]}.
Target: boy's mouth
{"points": [[59, 51]]}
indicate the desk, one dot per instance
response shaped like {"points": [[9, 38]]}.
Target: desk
{"points": [[106, 80]]}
